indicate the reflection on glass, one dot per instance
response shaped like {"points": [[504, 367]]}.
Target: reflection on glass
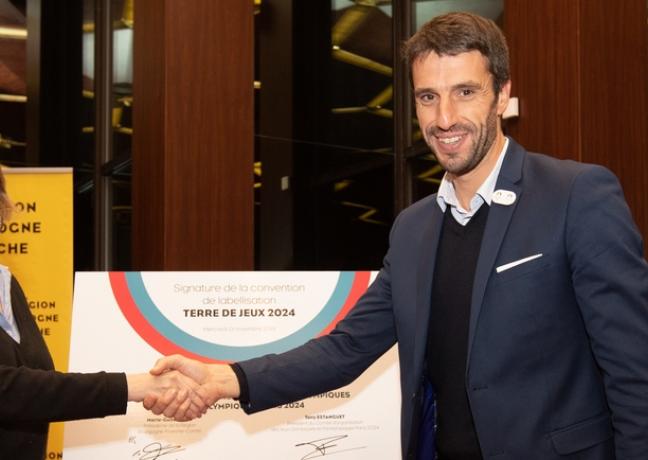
{"points": [[119, 168], [334, 141], [84, 167], [13, 88], [122, 130], [424, 10], [426, 171]]}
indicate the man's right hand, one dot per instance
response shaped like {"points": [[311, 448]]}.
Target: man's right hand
{"points": [[217, 381]]}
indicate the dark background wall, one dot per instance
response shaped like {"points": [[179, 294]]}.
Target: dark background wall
{"points": [[580, 69], [193, 144]]}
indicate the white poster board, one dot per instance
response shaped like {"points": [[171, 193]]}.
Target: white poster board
{"points": [[124, 321]]}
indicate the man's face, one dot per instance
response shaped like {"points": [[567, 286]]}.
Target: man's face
{"points": [[457, 108]]}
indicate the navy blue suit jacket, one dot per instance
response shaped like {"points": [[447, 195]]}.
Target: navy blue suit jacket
{"points": [[558, 346]]}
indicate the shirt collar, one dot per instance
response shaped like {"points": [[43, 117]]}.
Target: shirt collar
{"points": [[7, 320], [446, 195]]}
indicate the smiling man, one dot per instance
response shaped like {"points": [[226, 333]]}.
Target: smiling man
{"points": [[458, 106], [518, 294]]}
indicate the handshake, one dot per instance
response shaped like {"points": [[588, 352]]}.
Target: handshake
{"points": [[181, 388]]}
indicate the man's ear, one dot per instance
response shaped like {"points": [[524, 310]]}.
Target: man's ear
{"points": [[503, 97]]}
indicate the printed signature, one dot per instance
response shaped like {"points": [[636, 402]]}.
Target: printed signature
{"points": [[156, 450], [326, 446]]}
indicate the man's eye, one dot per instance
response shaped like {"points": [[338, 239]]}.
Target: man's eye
{"points": [[466, 92], [426, 98]]}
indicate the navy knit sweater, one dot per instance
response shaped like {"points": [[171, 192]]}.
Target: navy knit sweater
{"points": [[454, 274]]}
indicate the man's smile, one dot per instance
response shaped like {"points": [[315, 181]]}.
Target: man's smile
{"points": [[449, 140]]}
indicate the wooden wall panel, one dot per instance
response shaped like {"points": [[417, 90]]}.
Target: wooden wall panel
{"points": [[543, 45], [580, 70], [149, 150], [193, 141], [614, 95]]}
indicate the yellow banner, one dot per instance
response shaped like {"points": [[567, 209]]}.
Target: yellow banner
{"points": [[36, 245]]}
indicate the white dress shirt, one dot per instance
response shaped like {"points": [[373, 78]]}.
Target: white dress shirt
{"points": [[446, 196], [7, 320]]}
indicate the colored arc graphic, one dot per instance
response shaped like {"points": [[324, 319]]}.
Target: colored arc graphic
{"points": [[153, 327]]}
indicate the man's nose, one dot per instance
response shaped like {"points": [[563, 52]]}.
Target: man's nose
{"points": [[447, 114]]}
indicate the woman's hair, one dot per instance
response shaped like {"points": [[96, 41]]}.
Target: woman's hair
{"points": [[6, 206], [455, 33]]}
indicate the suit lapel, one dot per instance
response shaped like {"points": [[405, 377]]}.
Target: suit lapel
{"points": [[424, 274], [499, 217]]}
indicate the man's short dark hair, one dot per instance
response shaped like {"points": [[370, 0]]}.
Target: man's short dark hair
{"points": [[455, 33]]}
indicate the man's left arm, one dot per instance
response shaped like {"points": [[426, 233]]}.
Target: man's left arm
{"points": [[610, 278]]}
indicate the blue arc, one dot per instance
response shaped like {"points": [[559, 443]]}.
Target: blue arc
{"points": [[202, 347]]}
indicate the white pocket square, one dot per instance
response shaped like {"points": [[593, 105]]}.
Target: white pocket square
{"points": [[515, 263]]}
